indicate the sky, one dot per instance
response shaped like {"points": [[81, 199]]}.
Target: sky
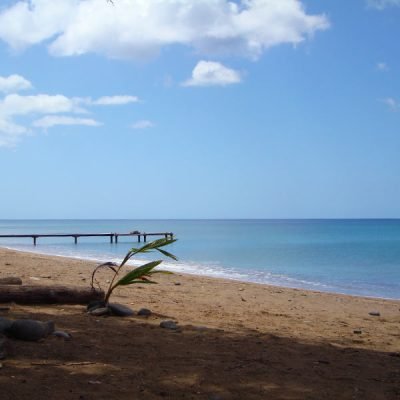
{"points": [[199, 109]]}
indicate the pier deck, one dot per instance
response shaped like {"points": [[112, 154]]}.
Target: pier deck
{"points": [[112, 235]]}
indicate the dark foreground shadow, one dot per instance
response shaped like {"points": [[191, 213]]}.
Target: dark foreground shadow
{"points": [[112, 358]]}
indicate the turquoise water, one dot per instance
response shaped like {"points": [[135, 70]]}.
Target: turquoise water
{"points": [[360, 257]]}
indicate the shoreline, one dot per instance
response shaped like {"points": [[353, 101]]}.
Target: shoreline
{"points": [[233, 279], [84, 266], [235, 340]]}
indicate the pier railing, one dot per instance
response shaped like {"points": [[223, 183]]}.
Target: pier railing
{"points": [[112, 235]]}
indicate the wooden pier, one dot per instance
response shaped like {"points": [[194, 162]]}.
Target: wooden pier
{"points": [[112, 235]]}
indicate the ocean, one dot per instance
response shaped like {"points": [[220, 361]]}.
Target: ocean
{"points": [[357, 257]]}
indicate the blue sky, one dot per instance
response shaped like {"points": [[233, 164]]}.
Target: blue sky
{"points": [[199, 109]]}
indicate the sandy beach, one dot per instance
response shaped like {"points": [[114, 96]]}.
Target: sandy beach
{"points": [[236, 341]]}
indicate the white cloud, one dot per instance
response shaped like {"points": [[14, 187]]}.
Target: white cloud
{"points": [[30, 22], [20, 115], [210, 73], [138, 29], [14, 83], [10, 133], [382, 4], [10, 128], [49, 121], [381, 66], [15, 104], [115, 100], [142, 124], [392, 104]]}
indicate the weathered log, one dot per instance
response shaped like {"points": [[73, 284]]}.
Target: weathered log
{"points": [[30, 294], [11, 280]]}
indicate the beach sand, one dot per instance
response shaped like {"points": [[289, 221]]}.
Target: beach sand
{"points": [[236, 341]]}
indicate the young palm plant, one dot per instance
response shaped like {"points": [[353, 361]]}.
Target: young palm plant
{"points": [[137, 275]]}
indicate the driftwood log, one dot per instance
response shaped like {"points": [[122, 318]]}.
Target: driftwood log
{"points": [[11, 280], [30, 294]]}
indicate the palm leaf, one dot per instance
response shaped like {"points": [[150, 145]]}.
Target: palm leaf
{"points": [[138, 272], [137, 281], [166, 253], [163, 242], [110, 265], [157, 243], [161, 272]]}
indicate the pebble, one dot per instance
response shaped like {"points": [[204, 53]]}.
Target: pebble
{"points": [[357, 331], [144, 312], [375, 313], [120, 310], [100, 311], [62, 334], [5, 324], [95, 304], [177, 283], [29, 329], [169, 325]]}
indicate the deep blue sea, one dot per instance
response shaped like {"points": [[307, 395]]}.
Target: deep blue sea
{"points": [[359, 257]]}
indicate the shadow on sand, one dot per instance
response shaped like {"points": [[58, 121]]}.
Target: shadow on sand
{"points": [[133, 358]]}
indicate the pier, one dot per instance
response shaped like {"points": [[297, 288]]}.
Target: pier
{"points": [[112, 235]]}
